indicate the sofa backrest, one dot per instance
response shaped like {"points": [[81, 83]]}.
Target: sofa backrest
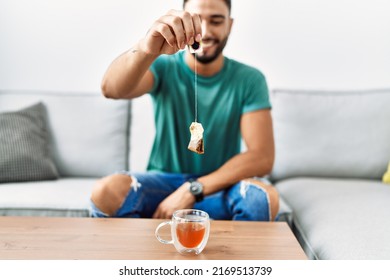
{"points": [[142, 132], [89, 133], [343, 134]]}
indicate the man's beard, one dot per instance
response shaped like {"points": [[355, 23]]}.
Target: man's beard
{"points": [[208, 59]]}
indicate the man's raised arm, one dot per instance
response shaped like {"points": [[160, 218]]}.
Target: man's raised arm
{"points": [[129, 76]]}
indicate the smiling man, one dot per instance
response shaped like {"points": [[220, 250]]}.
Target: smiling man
{"points": [[232, 105]]}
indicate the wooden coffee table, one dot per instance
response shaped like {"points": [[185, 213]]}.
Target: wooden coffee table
{"points": [[43, 238]]}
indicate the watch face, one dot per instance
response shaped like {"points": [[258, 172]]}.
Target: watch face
{"points": [[195, 188]]}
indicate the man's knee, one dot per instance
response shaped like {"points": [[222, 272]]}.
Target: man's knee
{"points": [[272, 196], [109, 192]]}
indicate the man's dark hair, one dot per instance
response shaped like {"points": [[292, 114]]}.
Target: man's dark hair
{"points": [[228, 3]]}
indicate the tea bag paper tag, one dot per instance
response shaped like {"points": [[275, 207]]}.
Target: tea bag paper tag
{"points": [[196, 47]]}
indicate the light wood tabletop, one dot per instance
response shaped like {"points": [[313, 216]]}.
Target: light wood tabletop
{"points": [[43, 238]]}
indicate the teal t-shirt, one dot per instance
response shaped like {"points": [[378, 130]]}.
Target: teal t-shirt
{"points": [[222, 99]]}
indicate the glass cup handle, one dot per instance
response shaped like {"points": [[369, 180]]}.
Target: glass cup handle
{"points": [[158, 236]]}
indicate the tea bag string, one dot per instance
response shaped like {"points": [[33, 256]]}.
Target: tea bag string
{"points": [[196, 90]]}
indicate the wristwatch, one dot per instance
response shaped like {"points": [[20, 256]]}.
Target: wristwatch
{"points": [[196, 188]]}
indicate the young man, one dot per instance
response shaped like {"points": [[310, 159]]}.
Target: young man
{"points": [[232, 102]]}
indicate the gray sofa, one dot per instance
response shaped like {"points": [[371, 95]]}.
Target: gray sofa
{"points": [[88, 139], [332, 149]]}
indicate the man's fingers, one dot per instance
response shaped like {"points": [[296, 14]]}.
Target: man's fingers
{"points": [[191, 24], [156, 214], [177, 27], [166, 32], [173, 31], [197, 27], [161, 214], [188, 27]]}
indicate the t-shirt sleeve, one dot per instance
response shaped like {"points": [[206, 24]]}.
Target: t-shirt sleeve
{"points": [[257, 96], [158, 69]]}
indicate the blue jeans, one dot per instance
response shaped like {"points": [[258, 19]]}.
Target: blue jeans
{"points": [[242, 201]]}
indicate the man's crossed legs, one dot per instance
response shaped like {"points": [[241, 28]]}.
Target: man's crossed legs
{"points": [[137, 195]]}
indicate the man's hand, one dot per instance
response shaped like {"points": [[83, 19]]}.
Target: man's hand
{"points": [[172, 32], [180, 199]]}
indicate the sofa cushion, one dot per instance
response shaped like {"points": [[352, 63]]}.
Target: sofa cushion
{"points": [[90, 134], [331, 134], [24, 152], [68, 197], [339, 219]]}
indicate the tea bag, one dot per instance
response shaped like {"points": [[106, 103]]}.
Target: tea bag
{"points": [[196, 142]]}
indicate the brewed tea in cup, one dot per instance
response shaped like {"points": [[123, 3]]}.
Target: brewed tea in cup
{"points": [[190, 230]]}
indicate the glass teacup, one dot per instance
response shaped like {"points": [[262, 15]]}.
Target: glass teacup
{"points": [[190, 230]]}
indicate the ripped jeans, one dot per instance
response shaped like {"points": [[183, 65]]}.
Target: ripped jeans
{"points": [[242, 201]]}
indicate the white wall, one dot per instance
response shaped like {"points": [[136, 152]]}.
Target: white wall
{"points": [[315, 43], [67, 44]]}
